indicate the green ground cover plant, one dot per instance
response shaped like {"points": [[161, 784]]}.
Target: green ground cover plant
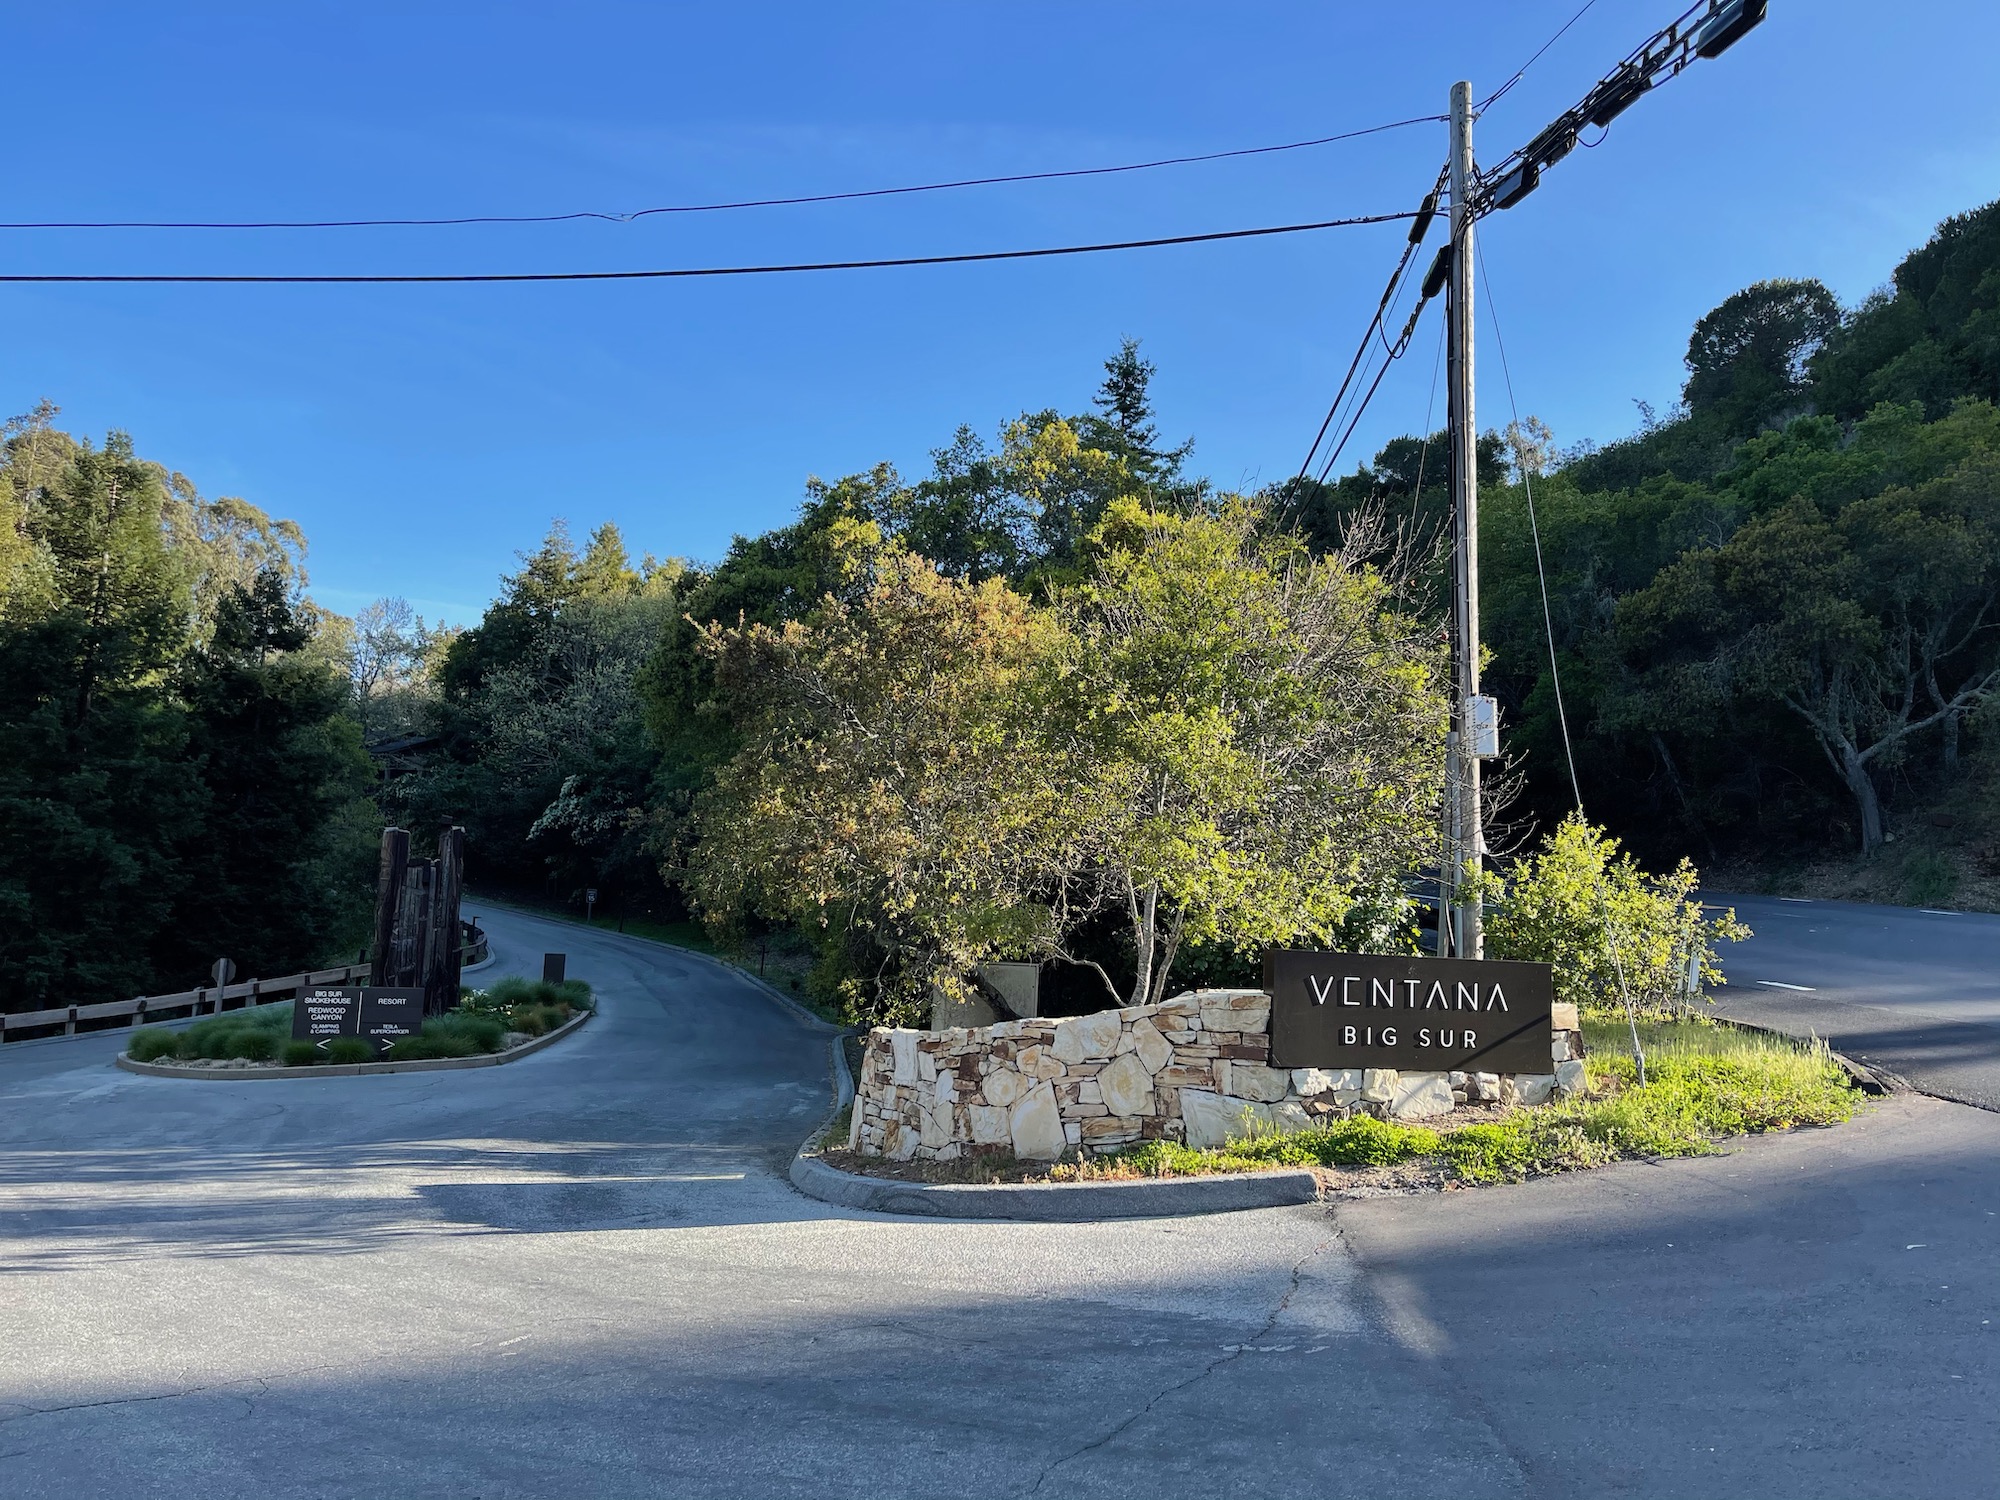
{"points": [[1705, 1083]]}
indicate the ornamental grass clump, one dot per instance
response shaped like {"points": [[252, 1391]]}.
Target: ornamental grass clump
{"points": [[222, 1036], [152, 1044]]}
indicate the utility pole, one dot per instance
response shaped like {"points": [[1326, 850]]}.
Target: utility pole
{"points": [[1466, 841], [1705, 31]]}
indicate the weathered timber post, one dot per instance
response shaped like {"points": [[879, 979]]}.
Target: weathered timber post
{"points": [[389, 876], [450, 951]]}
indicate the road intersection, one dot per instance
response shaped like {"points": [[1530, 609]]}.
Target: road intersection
{"points": [[584, 1274]]}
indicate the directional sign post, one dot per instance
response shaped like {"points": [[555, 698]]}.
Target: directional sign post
{"points": [[389, 1015], [320, 1015]]}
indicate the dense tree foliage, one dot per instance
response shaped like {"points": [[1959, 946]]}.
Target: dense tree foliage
{"points": [[1775, 613], [179, 778]]}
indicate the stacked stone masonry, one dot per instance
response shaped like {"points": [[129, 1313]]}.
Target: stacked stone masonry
{"points": [[1194, 1069]]}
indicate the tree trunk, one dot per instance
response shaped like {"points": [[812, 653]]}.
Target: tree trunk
{"points": [[1854, 770], [1950, 731], [1145, 933]]}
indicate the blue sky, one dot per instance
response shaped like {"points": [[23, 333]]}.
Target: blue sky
{"points": [[422, 436]]}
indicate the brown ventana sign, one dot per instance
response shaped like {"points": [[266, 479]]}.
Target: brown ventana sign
{"points": [[1418, 1015]]}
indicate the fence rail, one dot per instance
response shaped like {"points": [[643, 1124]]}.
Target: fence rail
{"points": [[197, 1002]]}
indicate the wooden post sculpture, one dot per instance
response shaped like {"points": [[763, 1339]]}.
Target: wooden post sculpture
{"points": [[417, 933]]}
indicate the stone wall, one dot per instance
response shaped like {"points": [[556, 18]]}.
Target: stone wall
{"points": [[1194, 1069]]}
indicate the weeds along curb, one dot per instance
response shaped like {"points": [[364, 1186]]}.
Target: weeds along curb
{"points": [[1875, 1082], [353, 1070], [1054, 1202]]}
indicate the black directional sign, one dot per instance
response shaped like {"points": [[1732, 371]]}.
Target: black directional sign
{"points": [[388, 1015], [1434, 1015], [320, 1015]]}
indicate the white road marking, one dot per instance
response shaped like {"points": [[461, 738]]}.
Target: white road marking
{"points": [[1804, 989], [1932, 911], [1797, 900]]}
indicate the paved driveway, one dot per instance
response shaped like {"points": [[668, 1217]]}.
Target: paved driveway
{"points": [[583, 1274]]}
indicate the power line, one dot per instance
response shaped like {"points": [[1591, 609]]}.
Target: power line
{"points": [[1522, 71], [689, 271], [1423, 215], [712, 208]]}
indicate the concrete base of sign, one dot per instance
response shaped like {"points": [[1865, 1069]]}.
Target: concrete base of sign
{"points": [[1053, 1202], [350, 1070]]}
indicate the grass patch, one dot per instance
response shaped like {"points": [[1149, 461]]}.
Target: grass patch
{"points": [[347, 1049], [1704, 1083]]}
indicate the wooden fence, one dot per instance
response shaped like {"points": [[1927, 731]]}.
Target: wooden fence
{"points": [[69, 1019]]}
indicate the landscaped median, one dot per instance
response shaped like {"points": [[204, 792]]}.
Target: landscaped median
{"points": [[497, 1025], [1705, 1083]]}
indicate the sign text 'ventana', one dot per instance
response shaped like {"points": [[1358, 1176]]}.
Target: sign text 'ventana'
{"points": [[1423, 1015]]}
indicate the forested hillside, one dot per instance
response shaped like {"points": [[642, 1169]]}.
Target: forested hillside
{"points": [[180, 776], [1774, 609]]}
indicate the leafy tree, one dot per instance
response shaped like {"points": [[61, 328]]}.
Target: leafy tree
{"points": [[1747, 359], [178, 777], [1933, 339], [281, 872], [548, 760], [1612, 932], [889, 787], [388, 661], [97, 796], [1257, 731], [1872, 623]]}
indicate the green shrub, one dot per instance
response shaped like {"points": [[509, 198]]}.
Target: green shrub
{"points": [[430, 1044], [537, 1020], [1609, 928], [298, 1054], [349, 1049], [256, 1043], [516, 989], [483, 1033], [152, 1043]]}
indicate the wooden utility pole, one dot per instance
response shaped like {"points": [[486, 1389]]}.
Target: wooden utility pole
{"points": [[1465, 841]]}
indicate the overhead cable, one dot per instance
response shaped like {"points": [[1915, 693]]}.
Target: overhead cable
{"points": [[632, 215], [1522, 71], [688, 271], [1421, 225]]}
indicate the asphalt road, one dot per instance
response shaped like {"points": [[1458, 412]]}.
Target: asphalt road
{"points": [[1915, 992], [583, 1274]]}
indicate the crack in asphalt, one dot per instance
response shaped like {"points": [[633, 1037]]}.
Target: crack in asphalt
{"points": [[262, 1383], [1233, 1353]]}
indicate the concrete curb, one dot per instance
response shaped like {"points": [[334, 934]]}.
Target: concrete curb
{"points": [[355, 1070], [1054, 1202]]}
